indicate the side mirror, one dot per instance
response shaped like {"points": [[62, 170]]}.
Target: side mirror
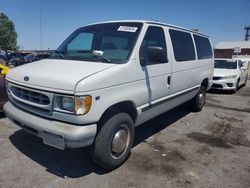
{"points": [[154, 54]]}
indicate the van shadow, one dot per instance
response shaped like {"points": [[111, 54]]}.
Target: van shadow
{"points": [[75, 163]]}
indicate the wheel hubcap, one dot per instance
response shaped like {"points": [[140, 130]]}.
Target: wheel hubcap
{"points": [[120, 141]]}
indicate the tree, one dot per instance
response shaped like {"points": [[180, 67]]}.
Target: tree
{"points": [[8, 35]]}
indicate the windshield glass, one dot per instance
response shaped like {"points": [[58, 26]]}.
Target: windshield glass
{"points": [[225, 64], [109, 42]]}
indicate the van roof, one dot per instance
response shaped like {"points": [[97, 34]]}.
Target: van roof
{"points": [[153, 22]]}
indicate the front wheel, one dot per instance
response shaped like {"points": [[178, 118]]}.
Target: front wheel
{"points": [[113, 143], [198, 101], [237, 86], [244, 85]]}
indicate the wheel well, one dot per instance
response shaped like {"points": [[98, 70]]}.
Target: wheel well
{"points": [[205, 83], [126, 106]]}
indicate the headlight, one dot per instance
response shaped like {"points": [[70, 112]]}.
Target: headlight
{"points": [[78, 105], [67, 103], [230, 77], [82, 105]]}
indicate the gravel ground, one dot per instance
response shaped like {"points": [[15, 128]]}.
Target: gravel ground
{"points": [[177, 149]]}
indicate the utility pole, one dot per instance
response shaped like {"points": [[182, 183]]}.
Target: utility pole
{"points": [[247, 36], [41, 36]]}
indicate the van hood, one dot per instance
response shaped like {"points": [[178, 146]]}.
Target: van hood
{"points": [[225, 72], [55, 73]]}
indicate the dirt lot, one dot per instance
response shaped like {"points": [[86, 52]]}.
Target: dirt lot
{"points": [[176, 149]]}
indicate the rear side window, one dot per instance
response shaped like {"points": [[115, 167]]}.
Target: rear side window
{"points": [[203, 47], [183, 45]]}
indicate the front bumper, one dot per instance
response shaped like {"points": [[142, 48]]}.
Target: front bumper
{"points": [[224, 84], [210, 83], [54, 133]]}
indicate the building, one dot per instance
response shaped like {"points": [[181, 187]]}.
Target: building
{"points": [[238, 49], [229, 49]]}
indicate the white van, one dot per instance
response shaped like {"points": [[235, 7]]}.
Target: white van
{"points": [[107, 78]]}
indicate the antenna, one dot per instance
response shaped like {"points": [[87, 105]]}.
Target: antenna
{"points": [[247, 36], [41, 36]]}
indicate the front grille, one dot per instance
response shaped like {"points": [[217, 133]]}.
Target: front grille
{"points": [[217, 86], [217, 77], [30, 96]]}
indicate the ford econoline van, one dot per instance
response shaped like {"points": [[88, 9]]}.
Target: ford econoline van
{"points": [[106, 79]]}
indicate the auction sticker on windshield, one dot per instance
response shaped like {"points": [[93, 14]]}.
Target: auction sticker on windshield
{"points": [[127, 29]]}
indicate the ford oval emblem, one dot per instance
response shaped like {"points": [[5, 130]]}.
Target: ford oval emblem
{"points": [[26, 78]]}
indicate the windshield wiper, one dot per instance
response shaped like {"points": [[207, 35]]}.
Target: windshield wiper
{"points": [[95, 54], [59, 53]]}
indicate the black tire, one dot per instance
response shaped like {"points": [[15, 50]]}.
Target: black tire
{"points": [[197, 103], [237, 86], [244, 85], [102, 150]]}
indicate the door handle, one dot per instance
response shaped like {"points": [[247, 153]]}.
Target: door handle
{"points": [[169, 81]]}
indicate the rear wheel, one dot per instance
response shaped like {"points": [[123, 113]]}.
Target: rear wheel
{"points": [[113, 143], [198, 101]]}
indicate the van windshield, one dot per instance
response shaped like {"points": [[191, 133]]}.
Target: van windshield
{"points": [[108, 43], [225, 64]]}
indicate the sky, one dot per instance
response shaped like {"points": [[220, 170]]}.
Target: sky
{"points": [[222, 20]]}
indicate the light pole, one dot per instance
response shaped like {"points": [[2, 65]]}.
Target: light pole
{"points": [[41, 36]]}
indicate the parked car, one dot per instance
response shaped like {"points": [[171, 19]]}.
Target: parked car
{"points": [[35, 57], [104, 80], [16, 61], [229, 74], [2, 56], [27, 59], [21, 60], [3, 59], [14, 57], [3, 95], [246, 62]]}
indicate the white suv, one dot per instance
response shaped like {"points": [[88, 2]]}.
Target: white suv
{"points": [[107, 78], [229, 74]]}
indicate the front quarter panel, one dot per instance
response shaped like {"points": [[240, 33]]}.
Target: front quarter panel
{"points": [[109, 87]]}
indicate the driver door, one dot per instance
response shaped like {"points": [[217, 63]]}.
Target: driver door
{"points": [[156, 73]]}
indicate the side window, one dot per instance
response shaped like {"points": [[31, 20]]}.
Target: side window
{"points": [[82, 42], [153, 48], [203, 47], [182, 45]]}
